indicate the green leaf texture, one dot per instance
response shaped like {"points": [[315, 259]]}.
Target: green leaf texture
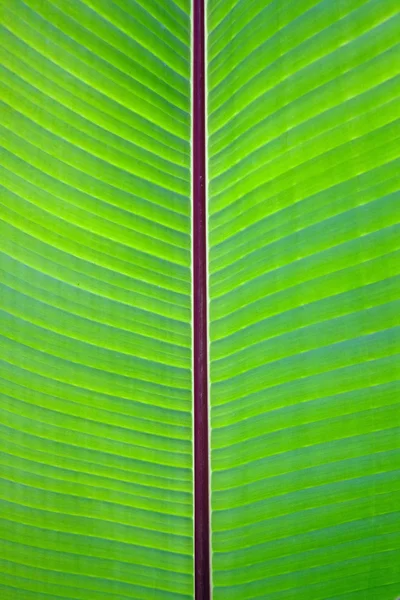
{"points": [[95, 350], [303, 118]]}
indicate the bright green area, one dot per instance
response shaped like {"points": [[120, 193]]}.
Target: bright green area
{"points": [[95, 308], [304, 207]]}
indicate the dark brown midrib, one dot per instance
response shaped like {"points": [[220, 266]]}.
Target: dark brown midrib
{"points": [[200, 296]]}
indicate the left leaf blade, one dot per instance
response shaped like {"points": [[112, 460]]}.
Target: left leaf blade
{"points": [[95, 358]]}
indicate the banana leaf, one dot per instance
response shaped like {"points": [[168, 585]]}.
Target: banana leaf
{"points": [[97, 431]]}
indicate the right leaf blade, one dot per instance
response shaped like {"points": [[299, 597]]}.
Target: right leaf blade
{"points": [[303, 208]]}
